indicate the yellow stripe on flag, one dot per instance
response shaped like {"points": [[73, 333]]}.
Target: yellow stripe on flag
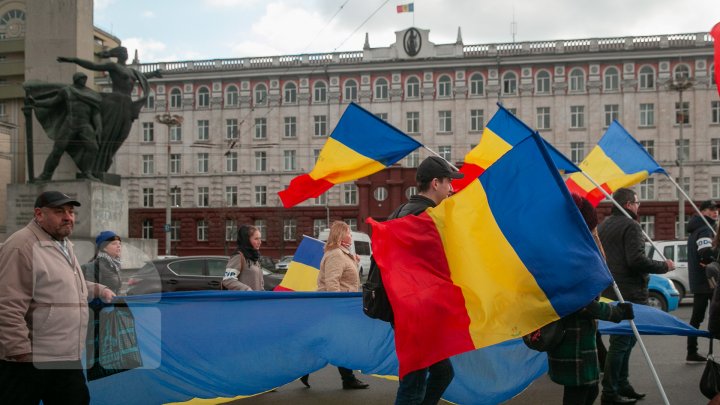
{"points": [[491, 148], [300, 277], [337, 164]]}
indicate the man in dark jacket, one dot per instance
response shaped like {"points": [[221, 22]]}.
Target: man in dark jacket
{"points": [[699, 248], [624, 247]]}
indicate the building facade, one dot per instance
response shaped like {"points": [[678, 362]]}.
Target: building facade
{"points": [[252, 124]]}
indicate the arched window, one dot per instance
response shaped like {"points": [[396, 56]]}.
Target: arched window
{"points": [[509, 83], [320, 92], [444, 86], [203, 97], [577, 80], [477, 85], [381, 89], [682, 72], [290, 93], [612, 79], [12, 24], [231, 96], [260, 94], [542, 82], [175, 98], [646, 78], [351, 90], [412, 87]]}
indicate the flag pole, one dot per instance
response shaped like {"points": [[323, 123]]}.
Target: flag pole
{"points": [[621, 299], [691, 203], [436, 154]]}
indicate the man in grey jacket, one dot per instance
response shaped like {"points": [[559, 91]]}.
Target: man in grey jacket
{"points": [[43, 309]]}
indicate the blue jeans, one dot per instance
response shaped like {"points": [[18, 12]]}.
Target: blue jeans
{"points": [[617, 364], [425, 386]]}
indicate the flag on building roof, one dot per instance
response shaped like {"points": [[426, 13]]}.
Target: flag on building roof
{"points": [[406, 8], [715, 33], [302, 271], [505, 256], [360, 145], [617, 161]]}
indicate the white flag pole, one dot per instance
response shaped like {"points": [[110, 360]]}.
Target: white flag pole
{"points": [[436, 154], [692, 203]]}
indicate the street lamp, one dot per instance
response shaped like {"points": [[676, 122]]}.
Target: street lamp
{"points": [[680, 83], [169, 121]]}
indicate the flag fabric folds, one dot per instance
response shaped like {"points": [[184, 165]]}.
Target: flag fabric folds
{"points": [[617, 161], [406, 8], [715, 33], [303, 270], [360, 145], [508, 254]]}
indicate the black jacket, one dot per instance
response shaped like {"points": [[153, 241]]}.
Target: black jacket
{"points": [[699, 247], [415, 206], [624, 247]]}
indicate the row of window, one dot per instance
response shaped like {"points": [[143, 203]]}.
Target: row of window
{"points": [[443, 88]]}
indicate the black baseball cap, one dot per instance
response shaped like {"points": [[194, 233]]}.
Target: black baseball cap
{"points": [[54, 199], [709, 204], [435, 167]]}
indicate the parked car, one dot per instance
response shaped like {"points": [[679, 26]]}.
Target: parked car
{"points": [[282, 265], [662, 293], [675, 250], [188, 273]]}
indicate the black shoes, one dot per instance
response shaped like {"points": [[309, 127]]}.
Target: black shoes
{"points": [[304, 379], [354, 385], [694, 358], [616, 400], [630, 392]]}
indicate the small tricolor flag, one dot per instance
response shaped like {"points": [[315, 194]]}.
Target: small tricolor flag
{"points": [[303, 270], [406, 8], [715, 33]]}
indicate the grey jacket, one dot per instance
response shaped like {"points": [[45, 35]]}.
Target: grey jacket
{"points": [[243, 275]]}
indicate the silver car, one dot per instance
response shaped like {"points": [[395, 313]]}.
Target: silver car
{"points": [[675, 250]]}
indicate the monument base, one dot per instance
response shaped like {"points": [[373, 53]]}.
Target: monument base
{"points": [[108, 178]]}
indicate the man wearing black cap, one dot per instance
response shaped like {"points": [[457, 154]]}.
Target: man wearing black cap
{"points": [[434, 176], [43, 309], [699, 247]]}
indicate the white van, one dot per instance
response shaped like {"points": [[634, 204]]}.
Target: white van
{"points": [[361, 246]]}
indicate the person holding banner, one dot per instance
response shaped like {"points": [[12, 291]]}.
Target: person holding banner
{"points": [[243, 272]]}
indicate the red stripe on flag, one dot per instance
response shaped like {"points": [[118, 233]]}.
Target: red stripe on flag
{"points": [[301, 188], [281, 288], [471, 171], [594, 195], [715, 33], [400, 9]]}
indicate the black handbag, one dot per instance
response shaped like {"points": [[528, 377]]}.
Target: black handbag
{"points": [[710, 380], [113, 348], [546, 338]]}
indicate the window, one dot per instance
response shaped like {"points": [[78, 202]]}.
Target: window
{"points": [[320, 125], [349, 192], [203, 130], [290, 93], [175, 163], [203, 196], [577, 152], [612, 79], [682, 113], [445, 121], [150, 101], [289, 160], [444, 86], [321, 199], [175, 197], [410, 191], [715, 187], [684, 183], [290, 127], [231, 128], [202, 230], [381, 89], [260, 196], [542, 85], [316, 155], [682, 72], [260, 94], [176, 133], [230, 230], [319, 224], [477, 85], [203, 97], [577, 80], [509, 83], [203, 162], [646, 78], [445, 151], [647, 189], [351, 90], [413, 159], [320, 92], [612, 112], [715, 149], [260, 161], [682, 152], [261, 225], [647, 115], [175, 230], [261, 128], [477, 120], [715, 112], [352, 223], [413, 122], [649, 146], [577, 116], [147, 228], [148, 132], [382, 116], [148, 197], [148, 164], [175, 98], [412, 87], [543, 117], [647, 223], [289, 229], [231, 196], [231, 96], [231, 162]]}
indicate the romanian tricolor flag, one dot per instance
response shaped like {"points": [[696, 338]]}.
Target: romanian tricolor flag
{"points": [[507, 255], [361, 144], [303, 270], [617, 161], [406, 8], [715, 33]]}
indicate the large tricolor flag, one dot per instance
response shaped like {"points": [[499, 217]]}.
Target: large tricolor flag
{"points": [[303, 270], [617, 161], [715, 33], [406, 8], [505, 256], [360, 145]]}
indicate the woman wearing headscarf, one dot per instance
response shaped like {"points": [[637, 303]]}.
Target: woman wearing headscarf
{"points": [[105, 267], [243, 270]]}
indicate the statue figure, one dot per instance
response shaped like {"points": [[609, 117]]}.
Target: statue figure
{"points": [[71, 117], [117, 108]]}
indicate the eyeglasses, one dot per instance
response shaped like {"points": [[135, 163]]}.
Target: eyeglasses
{"points": [[635, 202]]}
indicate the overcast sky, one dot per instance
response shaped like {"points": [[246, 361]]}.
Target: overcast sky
{"points": [[173, 30]]}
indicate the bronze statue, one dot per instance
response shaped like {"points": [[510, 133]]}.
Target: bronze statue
{"points": [[117, 108], [71, 117]]}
